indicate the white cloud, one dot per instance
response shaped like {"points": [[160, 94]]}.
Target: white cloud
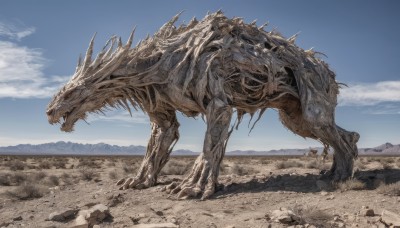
{"points": [[21, 68], [15, 32], [370, 94]]}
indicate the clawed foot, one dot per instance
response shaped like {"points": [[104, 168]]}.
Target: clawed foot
{"points": [[138, 183], [185, 190], [201, 181]]}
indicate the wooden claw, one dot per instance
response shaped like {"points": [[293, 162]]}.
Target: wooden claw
{"points": [[121, 181]]}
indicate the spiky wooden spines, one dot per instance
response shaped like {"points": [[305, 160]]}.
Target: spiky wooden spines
{"points": [[217, 63]]}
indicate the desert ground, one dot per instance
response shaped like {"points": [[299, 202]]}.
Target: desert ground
{"points": [[252, 192]]}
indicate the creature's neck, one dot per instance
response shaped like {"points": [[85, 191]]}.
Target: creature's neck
{"points": [[126, 88]]}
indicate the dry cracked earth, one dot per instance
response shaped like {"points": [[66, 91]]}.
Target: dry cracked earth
{"points": [[252, 192]]}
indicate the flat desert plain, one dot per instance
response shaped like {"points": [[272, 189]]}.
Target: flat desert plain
{"points": [[252, 192]]}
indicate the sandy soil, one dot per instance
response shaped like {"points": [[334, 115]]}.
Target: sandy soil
{"points": [[251, 188]]}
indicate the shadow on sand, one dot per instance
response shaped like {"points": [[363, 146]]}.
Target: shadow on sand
{"points": [[305, 183]]}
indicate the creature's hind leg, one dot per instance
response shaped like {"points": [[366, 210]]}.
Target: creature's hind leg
{"points": [[342, 141], [204, 174], [345, 145], [164, 135]]}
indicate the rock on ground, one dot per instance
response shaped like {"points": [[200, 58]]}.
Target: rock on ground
{"points": [[63, 216], [367, 212], [158, 225], [285, 216], [390, 219], [93, 216]]}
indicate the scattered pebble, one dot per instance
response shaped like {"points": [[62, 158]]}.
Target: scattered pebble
{"points": [[331, 197], [19, 218]]}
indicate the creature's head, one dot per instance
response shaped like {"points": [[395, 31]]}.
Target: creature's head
{"points": [[87, 89]]}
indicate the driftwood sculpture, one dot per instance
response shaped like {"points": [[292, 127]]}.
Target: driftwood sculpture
{"points": [[213, 67]]}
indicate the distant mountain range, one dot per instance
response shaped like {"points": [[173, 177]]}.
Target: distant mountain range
{"points": [[387, 149], [70, 148]]}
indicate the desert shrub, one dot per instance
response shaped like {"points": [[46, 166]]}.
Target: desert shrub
{"points": [[66, 178], [369, 159], [386, 165], [390, 160], [5, 179], [304, 158], [111, 164], [88, 174], [312, 215], [242, 170], [44, 164], [60, 163], [21, 158], [317, 165], [27, 191], [223, 169], [175, 167], [16, 165], [360, 165], [88, 163], [129, 169], [112, 175], [390, 189], [363, 160], [313, 165], [288, 164], [18, 178], [264, 161], [30, 166], [53, 180], [38, 176], [351, 184], [382, 161], [398, 162]]}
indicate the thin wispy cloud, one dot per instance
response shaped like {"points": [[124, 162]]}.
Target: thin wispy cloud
{"points": [[383, 109], [15, 31], [21, 68], [370, 94]]}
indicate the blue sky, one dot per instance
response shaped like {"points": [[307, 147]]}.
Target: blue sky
{"points": [[40, 42]]}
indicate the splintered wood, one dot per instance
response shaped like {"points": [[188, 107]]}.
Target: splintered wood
{"points": [[213, 67]]}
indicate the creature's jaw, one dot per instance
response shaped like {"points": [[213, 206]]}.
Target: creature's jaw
{"points": [[52, 119], [66, 119], [69, 119]]}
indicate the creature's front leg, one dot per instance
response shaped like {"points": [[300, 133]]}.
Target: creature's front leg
{"points": [[204, 174], [345, 145], [164, 135]]}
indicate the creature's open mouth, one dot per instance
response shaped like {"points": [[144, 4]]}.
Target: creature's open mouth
{"points": [[65, 118], [67, 121]]}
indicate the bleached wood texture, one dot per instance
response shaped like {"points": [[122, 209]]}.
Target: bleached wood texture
{"points": [[213, 67]]}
